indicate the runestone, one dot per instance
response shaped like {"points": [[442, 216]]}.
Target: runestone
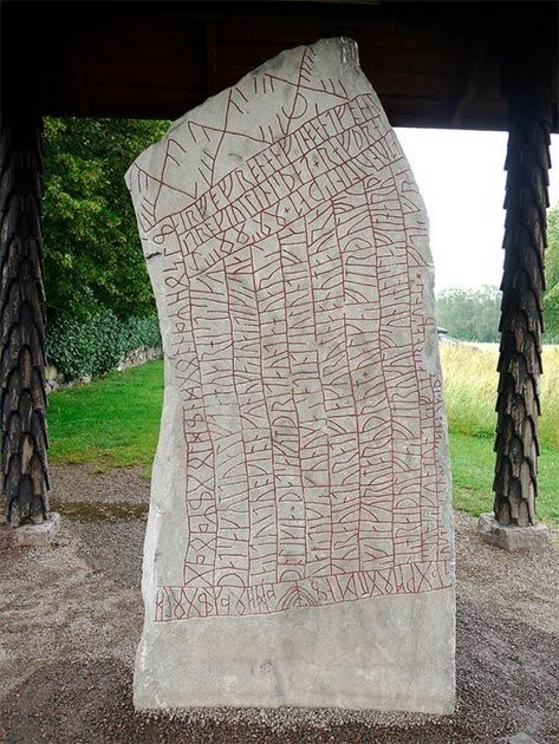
{"points": [[299, 545]]}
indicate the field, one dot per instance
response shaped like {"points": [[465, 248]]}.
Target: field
{"points": [[114, 421], [470, 383]]}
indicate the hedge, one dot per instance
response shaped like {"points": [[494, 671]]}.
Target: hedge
{"points": [[96, 346]]}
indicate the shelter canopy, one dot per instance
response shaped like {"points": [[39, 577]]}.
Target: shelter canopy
{"points": [[433, 64]]}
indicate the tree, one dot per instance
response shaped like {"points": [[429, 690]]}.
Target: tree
{"points": [[93, 259], [473, 315], [551, 296], [470, 314]]}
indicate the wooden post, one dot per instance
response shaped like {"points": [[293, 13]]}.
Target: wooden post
{"points": [[22, 319], [520, 366]]}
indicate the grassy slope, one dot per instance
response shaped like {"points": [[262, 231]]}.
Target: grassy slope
{"points": [[115, 421]]}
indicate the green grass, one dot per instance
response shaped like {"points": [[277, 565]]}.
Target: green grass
{"points": [[471, 379], [473, 461], [114, 421]]}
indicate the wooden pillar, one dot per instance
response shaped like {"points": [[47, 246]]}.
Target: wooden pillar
{"points": [[521, 326], [22, 318]]}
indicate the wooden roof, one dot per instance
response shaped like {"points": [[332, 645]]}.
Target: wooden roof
{"points": [[432, 64]]}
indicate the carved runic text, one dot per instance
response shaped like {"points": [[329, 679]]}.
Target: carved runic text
{"points": [[295, 270]]}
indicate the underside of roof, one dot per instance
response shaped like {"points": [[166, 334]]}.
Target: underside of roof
{"points": [[432, 64]]}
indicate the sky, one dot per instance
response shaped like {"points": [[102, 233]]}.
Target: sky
{"points": [[462, 179]]}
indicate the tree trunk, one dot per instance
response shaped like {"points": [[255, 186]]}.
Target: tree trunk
{"points": [[520, 366], [22, 321]]}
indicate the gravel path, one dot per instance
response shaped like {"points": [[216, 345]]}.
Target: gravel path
{"points": [[72, 615]]}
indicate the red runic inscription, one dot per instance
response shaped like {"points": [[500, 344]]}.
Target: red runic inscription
{"points": [[295, 282]]}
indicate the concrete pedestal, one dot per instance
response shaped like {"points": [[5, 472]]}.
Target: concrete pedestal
{"points": [[30, 535], [512, 538]]}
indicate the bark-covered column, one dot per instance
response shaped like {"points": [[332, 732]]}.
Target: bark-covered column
{"points": [[518, 404], [22, 320]]}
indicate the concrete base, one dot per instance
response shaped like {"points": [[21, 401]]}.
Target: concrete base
{"points": [[30, 535], [512, 538]]}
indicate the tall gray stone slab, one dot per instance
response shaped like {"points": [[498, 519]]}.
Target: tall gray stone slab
{"points": [[299, 545]]}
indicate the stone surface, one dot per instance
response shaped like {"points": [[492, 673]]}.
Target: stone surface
{"points": [[512, 538], [140, 356], [299, 545], [37, 535]]}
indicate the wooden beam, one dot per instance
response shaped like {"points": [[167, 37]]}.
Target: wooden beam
{"points": [[153, 59], [471, 88], [78, 77], [211, 60]]}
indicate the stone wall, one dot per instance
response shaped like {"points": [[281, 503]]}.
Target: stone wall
{"points": [[55, 380]]}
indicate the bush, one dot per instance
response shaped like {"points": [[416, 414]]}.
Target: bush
{"points": [[136, 333], [96, 346]]}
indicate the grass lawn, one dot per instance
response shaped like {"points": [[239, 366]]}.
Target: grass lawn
{"points": [[473, 461], [471, 380], [114, 421]]}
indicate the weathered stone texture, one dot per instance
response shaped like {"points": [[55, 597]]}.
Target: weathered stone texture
{"points": [[299, 543]]}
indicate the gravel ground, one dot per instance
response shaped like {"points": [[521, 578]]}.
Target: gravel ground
{"points": [[72, 615]]}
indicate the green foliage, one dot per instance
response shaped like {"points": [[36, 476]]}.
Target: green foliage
{"points": [[552, 254], [136, 333], [96, 345], [93, 259], [551, 297], [470, 314], [551, 315]]}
